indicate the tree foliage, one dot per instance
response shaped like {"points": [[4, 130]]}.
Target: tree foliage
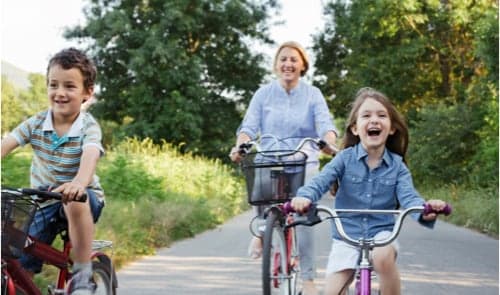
{"points": [[417, 52], [174, 70], [19, 104], [438, 62], [12, 111]]}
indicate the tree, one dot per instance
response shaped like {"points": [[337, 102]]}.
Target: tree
{"points": [[438, 62], [35, 98], [18, 105], [12, 111], [417, 52], [175, 70]]}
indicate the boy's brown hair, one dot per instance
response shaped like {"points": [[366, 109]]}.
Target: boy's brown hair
{"points": [[73, 58]]}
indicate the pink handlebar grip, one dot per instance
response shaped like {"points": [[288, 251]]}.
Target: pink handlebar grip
{"points": [[287, 207], [446, 210]]}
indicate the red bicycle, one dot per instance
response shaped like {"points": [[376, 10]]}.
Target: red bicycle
{"points": [[272, 178], [18, 209]]}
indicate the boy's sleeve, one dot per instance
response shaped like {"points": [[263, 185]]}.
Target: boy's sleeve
{"points": [[93, 136], [22, 133]]}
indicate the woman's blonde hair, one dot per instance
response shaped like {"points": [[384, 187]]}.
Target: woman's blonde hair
{"points": [[299, 48]]}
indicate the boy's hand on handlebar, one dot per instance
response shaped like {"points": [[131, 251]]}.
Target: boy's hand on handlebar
{"points": [[71, 191], [300, 204], [437, 206]]}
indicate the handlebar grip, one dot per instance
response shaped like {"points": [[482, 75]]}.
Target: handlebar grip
{"points": [[321, 144], [50, 195], [446, 210], [287, 207], [244, 148]]}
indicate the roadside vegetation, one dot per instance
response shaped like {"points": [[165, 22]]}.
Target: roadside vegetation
{"points": [[156, 195]]}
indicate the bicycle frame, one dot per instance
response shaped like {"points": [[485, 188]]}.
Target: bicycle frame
{"points": [[286, 171], [279, 264], [15, 277], [51, 256]]}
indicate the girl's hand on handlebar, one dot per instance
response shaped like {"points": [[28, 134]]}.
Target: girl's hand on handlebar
{"points": [[71, 191], [437, 206], [300, 204]]}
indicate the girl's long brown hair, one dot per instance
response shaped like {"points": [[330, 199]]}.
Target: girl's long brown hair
{"points": [[397, 142]]}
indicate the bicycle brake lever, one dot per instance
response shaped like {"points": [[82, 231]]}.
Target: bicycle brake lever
{"points": [[312, 216]]}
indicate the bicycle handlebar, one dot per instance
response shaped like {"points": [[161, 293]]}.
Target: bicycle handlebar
{"points": [[315, 209], [42, 194], [244, 148]]}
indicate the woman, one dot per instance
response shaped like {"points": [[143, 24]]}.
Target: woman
{"points": [[289, 109]]}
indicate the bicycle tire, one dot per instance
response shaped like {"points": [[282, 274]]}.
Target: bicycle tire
{"points": [[102, 275], [276, 277]]}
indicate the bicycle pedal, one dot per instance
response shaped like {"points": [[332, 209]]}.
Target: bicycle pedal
{"points": [[53, 291]]}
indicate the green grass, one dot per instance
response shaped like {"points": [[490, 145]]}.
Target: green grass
{"points": [[474, 208], [154, 196]]}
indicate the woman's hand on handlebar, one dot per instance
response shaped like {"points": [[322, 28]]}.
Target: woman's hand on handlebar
{"points": [[328, 148], [235, 155], [327, 144], [437, 206], [71, 191], [300, 204]]}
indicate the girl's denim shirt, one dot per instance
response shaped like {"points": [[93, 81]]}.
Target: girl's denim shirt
{"points": [[385, 187]]}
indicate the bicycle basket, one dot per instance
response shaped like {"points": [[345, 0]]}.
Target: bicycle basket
{"points": [[273, 176], [17, 214]]}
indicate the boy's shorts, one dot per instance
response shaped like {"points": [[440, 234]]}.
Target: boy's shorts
{"points": [[344, 256], [44, 227]]}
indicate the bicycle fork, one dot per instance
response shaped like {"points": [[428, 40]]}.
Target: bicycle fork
{"points": [[363, 285]]}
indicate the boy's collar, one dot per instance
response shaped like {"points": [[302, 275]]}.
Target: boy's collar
{"points": [[74, 131]]}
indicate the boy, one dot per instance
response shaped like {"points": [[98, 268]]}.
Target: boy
{"points": [[66, 147]]}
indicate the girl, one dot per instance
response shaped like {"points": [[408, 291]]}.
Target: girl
{"points": [[372, 174]]}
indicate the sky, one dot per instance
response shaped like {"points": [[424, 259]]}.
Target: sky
{"points": [[31, 30]]}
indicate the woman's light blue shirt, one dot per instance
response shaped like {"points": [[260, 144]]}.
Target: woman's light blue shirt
{"points": [[301, 113], [362, 188]]}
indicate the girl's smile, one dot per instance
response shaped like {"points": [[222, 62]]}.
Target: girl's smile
{"points": [[373, 125]]}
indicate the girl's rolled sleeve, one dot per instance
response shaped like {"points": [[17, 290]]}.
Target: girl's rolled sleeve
{"points": [[321, 183], [408, 195]]}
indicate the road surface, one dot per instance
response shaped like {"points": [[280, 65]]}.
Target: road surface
{"points": [[446, 260]]}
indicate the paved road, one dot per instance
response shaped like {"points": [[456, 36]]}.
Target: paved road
{"points": [[446, 260]]}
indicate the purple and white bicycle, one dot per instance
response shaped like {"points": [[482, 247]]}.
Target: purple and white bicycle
{"points": [[363, 274]]}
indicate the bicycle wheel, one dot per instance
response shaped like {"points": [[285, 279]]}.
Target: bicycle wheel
{"points": [[102, 275], [276, 274]]}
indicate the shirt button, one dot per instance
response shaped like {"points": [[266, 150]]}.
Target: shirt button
{"points": [[368, 195], [365, 219], [370, 180]]}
